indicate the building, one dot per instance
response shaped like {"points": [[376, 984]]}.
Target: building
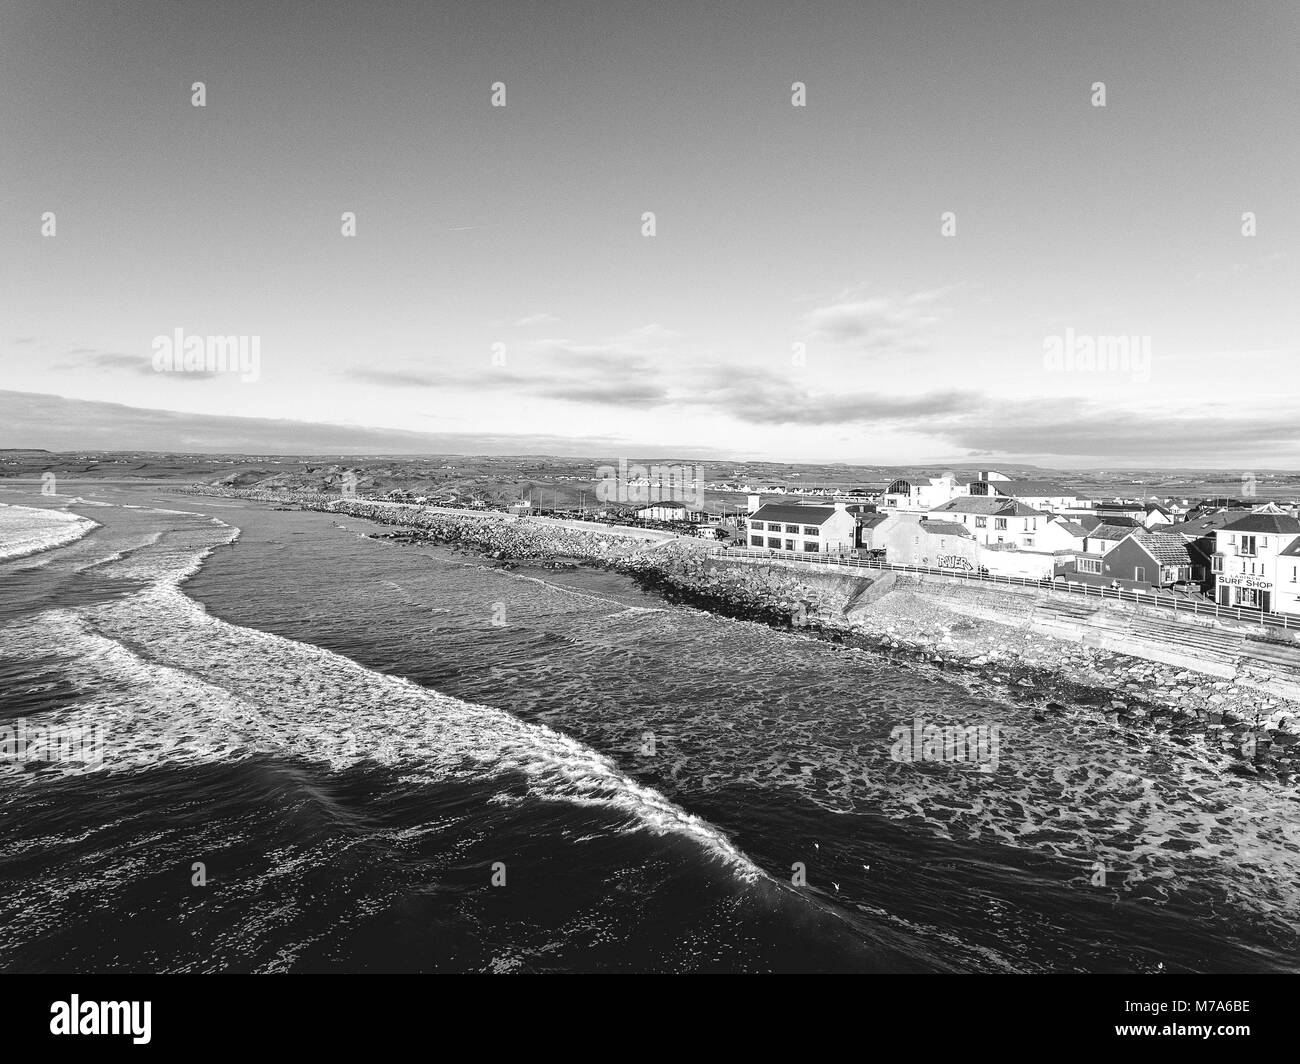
{"points": [[1060, 533], [668, 511], [1286, 593], [1103, 538], [1157, 515], [908, 540], [806, 529], [1248, 559], [1037, 494], [1158, 559], [994, 521], [922, 496], [1139, 560], [1092, 520]]}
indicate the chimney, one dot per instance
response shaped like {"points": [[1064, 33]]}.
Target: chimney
{"points": [[841, 506], [754, 503]]}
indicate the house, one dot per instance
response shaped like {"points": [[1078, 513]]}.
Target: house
{"points": [[1248, 559], [1286, 592], [807, 529], [1156, 515], [1092, 520], [1105, 537], [867, 524], [931, 544], [1139, 560], [1155, 558], [1199, 535], [1061, 534], [668, 511], [994, 521], [1037, 494]]}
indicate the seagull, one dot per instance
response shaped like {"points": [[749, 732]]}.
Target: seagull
{"points": [[867, 867], [817, 846], [836, 886]]}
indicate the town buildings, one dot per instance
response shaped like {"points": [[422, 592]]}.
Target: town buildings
{"points": [[802, 528], [1248, 561]]}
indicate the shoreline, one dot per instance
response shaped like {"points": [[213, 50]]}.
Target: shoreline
{"points": [[29, 530], [1259, 734]]}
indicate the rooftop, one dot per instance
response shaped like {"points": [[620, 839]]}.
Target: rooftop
{"points": [[1274, 524], [794, 513], [945, 528], [1166, 548]]}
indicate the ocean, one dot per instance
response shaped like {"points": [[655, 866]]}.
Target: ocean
{"points": [[327, 752]]}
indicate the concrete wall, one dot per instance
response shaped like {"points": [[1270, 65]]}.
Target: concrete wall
{"points": [[1018, 563]]}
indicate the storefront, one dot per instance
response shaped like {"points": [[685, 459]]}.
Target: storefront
{"points": [[1248, 592]]}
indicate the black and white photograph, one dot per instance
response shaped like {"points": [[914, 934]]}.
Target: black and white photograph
{"points": [[596, 488]]}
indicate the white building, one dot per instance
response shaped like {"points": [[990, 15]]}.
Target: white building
{"points": [[668, 511], [921, 496], [995, 521], [806, 529], [1286, 593], [1250, 564], [1039, 494]]}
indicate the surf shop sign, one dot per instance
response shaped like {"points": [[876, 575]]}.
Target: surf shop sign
{"points": [[1255, 583]]}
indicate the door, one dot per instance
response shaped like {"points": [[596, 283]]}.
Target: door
{"points": [[1266, 601], [1223, 596]]}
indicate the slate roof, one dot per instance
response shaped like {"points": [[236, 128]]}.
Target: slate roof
{"points": [[1073, 527], [801, 515], [974, 504], [1108, 531], [985, 506], [945, 528], [1269, 524]]}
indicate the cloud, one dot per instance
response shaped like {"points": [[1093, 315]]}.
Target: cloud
{"points": [[879, 324], [537, 319], [142, 365], [52, 422]]}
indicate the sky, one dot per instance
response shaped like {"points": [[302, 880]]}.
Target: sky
{"points": [[799, 299]]}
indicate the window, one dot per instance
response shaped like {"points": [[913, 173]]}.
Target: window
{"points": [[999, 523], [1029, 541], [811, 548], [1216, 563], [1294, 570], [1140, 573], [981, 522], [755, 541], [792, 528], [774, 542], [811, 530], [1247, 546], [789, 544], [1089, 565]]}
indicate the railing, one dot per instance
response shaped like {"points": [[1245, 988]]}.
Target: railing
{"points": [[1144, 598]]}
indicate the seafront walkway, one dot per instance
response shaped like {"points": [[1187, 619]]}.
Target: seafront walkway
{"points": [[1176, 604]]}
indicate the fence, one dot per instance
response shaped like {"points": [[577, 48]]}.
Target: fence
{"points": [[1143, 598]]}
